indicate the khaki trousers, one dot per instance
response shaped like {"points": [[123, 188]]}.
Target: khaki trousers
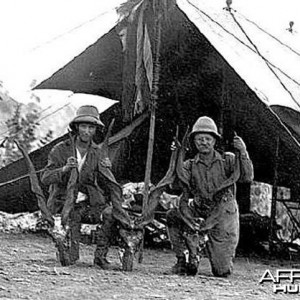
{"points": [[223, 235]]}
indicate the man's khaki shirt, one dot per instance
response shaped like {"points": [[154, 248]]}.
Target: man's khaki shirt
{"points": [[206, 179]]}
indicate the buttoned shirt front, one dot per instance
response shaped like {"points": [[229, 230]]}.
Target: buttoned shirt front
{"points": [[88, 181], [205, 178]]}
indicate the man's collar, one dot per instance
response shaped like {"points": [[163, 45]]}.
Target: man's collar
{"points": [[92, 145], [216, 156]]}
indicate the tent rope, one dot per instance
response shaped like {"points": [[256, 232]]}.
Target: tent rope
{"points": [[19, 178], [264, 59], [201, 12], [294, 140], [269, 34]]}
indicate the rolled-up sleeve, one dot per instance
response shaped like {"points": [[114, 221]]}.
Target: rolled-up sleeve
{"points": [[246, 166]]}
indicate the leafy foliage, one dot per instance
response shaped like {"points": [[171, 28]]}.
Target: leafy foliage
{"points": [[23, 128]]}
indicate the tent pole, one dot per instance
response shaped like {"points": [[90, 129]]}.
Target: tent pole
{"points": [[152, 108], [153, 101], [272, 234], [225, 110], [149, 159], [221, 127]]}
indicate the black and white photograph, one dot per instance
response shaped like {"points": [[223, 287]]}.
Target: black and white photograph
{"points": [[149, 149]]}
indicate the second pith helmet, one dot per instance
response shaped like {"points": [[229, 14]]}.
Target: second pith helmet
{"points": [[205, 125]]}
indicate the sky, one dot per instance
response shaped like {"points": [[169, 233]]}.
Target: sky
{"points": [[40, 36], [28, 24]]}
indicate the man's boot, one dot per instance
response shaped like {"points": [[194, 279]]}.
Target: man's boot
{"points": [[103, 234], [100, 259], [195, 243], [74, 252], [192, 266], [180, 267], [74, 240]]}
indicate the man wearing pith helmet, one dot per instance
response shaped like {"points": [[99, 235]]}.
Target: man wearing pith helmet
{"points": [[210, 181], [95, 182]]}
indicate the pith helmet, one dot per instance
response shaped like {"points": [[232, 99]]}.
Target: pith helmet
{"points": [[86, 114], [205, 125]]}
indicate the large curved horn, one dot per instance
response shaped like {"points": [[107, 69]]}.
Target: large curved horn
{"points": [[71, 190], [35, 186], [182, 176], [115, 189], [234, 176], [104, 147], [156, 192], [181, 158]]}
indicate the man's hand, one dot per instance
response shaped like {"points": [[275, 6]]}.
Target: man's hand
{"points": [[175, 145], [239, 144], [198, 223], [71, 163], [196, 226], [106, 163]]}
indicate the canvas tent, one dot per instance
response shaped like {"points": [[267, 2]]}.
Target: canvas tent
{"points": [[208, 67]]}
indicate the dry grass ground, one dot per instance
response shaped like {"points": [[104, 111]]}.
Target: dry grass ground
{"points": [[29, 270]]}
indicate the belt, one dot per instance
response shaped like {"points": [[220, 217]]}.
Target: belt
{"points": [[225, 195], [205, 205]]}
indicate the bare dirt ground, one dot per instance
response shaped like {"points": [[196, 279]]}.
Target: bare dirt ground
{"points": [[29, 270]]}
